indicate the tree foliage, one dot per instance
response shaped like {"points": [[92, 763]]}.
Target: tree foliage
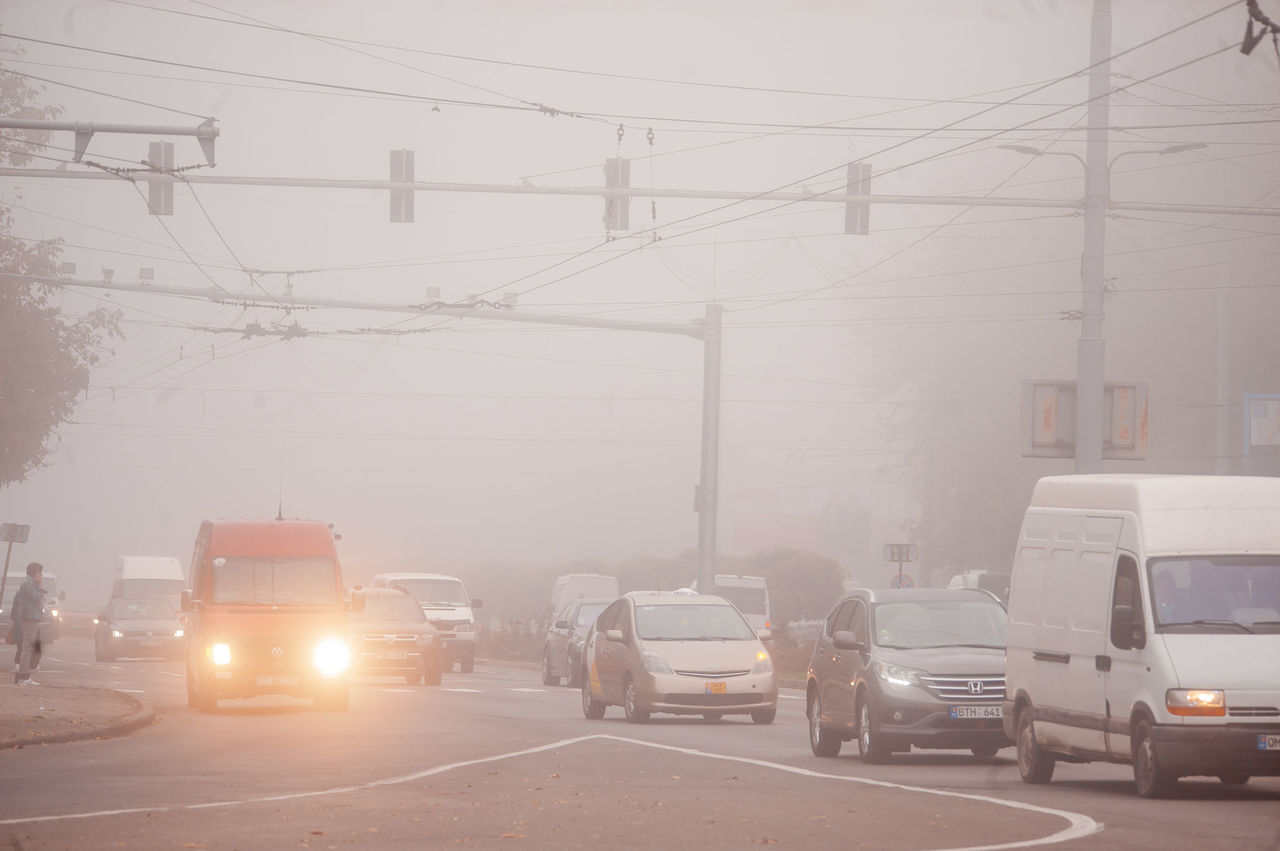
{"points": [[45, 356]]}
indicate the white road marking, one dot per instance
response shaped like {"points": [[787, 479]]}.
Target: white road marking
{"points": [[534, 690], [400, 690], [171, 674], [129, 690], [465, 690], [1078, 824], [790, 697]]}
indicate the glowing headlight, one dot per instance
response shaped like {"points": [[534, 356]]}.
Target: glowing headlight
{"points": [[1195, 701], [655, 664], [221, 654], [53, 613], [896, 675], [178, 633], [331, 657], [764, 665], [115, 633]]}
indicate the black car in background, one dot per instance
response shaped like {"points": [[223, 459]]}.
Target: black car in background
{"points": [[562, 648], [392, 637], [904, 668], [136, 629]]}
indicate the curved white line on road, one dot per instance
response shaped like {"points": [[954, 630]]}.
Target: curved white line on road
{"points": [[1078, 824]]}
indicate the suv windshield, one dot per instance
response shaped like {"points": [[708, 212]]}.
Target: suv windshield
{"points": [[695, 622], [1216, 594], [939, 623], [398, 608], [434, 592], [283, 579]]}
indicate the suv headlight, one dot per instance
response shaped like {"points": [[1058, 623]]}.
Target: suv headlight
{"points": [[897, 675], [763, 665], [654, 664]]}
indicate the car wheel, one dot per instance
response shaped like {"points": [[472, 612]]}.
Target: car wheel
{"points": [[97, 652], [572, 679], [336, 700], [1233, 779], [1151, 780], [984, 751], [413, 678], [822, 742], [764, 716], [870, 746], [1034, 764], [548, 678], [631, 703], [593, 709], [467, 664]]}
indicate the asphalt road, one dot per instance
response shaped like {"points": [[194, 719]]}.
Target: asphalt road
{"points": [[495, 758]]}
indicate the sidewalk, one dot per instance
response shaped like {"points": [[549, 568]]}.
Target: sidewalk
{"points": [[41, 715]]}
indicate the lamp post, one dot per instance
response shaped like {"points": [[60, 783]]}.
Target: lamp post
{"points": [[1090, 350]]}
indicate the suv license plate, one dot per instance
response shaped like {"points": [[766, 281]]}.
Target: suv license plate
{"points": [[1269, 742], [977, 711], [715, 688]]}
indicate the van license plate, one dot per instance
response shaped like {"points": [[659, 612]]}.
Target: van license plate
{"points": [[977, 711], [1269, 742], [715, 688], [276, 680]]}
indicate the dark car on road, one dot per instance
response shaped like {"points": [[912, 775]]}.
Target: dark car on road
{"points": [[562, 648], [904, 668], [392, 637], [138, 628]]}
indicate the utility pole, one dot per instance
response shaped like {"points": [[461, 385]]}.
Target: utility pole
{"points": [[707, 500], [1091, 349]]}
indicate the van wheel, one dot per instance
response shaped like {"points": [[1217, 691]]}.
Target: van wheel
{"points": [[822, 742], [1151, 780], [548, 678], [1034, 764], [870, 745], [467, 664], [593, 709], [631, 703]]}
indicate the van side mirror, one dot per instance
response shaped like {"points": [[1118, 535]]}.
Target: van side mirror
{"points": [[475, 604], [357, 601], [185, 603], [1126, 634]]}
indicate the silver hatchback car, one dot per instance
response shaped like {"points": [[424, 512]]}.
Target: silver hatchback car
{"points": [[678, 653]]}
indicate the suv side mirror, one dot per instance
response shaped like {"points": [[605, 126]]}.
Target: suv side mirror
{"points": [[562, 624], [1126, 634], [185, 603], [844, 639]]}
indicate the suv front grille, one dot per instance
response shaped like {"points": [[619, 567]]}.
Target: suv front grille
{"points": [[962, 687], [400, 638]]}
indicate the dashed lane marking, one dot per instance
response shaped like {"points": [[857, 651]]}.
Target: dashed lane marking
{"points": [[465, 690]]}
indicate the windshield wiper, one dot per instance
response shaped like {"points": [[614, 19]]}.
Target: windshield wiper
{"points": [[1204, 622], [981, 646]]}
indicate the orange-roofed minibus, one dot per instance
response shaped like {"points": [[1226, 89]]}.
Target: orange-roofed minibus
{"points": [[266, 614]]}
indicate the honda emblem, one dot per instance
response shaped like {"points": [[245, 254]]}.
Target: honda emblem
{"points": [[975, 686]]}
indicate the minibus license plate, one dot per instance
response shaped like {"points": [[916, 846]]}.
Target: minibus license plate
{"points": [[1269, 743], [977, 711], [715, 688], [276, 680]]}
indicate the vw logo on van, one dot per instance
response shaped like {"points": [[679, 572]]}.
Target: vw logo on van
{"points": [[278, 653], [975, 686]]}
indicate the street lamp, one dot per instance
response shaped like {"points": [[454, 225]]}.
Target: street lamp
{"points": [[1090, 352]]}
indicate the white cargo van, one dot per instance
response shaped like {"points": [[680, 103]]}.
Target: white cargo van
{"points": [[1144, 628], [445, 602], [148, 578], [750, 594], [580, 586]]}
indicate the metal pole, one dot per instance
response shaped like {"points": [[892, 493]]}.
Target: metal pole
{"points": [[1091, 351], [707, 494], [5, 576]]}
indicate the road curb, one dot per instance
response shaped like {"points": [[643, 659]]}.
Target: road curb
{"points": [[141, 716]]}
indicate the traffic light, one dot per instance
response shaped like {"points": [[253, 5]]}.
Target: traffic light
{"points": [[402, 199], [617, 208], [857, 214]]}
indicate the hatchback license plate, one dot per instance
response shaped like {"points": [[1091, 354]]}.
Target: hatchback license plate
{"points": [[715, 688], [276, 680], [1268, 742], [977, 712]]}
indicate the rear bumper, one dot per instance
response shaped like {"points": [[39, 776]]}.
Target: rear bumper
{"points": [[1230, 749]]}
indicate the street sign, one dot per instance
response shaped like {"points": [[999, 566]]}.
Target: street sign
{"points": [[1049, 420], [14, 533], [901, 552], [902, 580]]}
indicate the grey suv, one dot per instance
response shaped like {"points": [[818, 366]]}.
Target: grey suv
{"points": [[911, 667]]}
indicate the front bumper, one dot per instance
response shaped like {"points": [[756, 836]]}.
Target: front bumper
{"points": [[678, 694], [380, 663], [911, 722], [1218, 750]]}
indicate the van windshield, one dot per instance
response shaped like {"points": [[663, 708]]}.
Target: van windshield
{"points": [[305, 580], [750, 601], [1229, 594], [434, 592]]}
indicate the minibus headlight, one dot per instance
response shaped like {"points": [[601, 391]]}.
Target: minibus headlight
{"points": [[764, 665], [331, 657], [221, 654], [1196, 701]]}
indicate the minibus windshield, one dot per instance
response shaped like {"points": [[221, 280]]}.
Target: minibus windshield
{"points": [[281, 580]]}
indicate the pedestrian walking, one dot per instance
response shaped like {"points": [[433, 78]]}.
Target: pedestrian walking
{"points": [[27, 612]]}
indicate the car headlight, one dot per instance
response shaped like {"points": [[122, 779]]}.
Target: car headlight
{"points": [[425, 639], [896, 675], [115, 633], [178, 633], [1195, 701], [331, 657], [763, 665], [654, 664], [221, 654], [53, 613]]}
